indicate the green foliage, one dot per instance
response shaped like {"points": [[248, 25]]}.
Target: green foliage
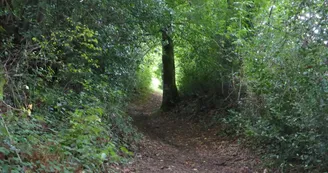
{"points": [[69, 75], [144, 75], [207, 44], [69, 67], [149, 72], [285, 73]]}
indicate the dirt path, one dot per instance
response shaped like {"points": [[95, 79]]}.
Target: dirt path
{"points": [[172, 145]]}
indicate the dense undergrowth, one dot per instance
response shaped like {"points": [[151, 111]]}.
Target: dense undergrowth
{"points": [[272, 87], [286, 110], [68, 69], [67, 79]]}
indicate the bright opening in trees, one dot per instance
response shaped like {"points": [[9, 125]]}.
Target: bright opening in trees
{"points": [[86, 85]]}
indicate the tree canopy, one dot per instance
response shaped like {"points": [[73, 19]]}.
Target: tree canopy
{"points": [[69, 69]]}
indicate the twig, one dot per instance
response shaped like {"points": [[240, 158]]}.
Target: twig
{"points": [[10, 139]]}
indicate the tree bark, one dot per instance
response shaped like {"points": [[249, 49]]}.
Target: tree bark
{"points": [[170, 91]]}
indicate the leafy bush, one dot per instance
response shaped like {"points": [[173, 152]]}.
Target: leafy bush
{"points": [[285, 74], [208, 60], [67, 78]]}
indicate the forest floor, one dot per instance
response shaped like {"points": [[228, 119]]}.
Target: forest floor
{"points": [[171, 144]]}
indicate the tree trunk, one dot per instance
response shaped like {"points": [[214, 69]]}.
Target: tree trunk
{"points": [[2, 82], [170, 91]]}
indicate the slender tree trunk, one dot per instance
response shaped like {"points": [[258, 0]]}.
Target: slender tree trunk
{"points": [[170, 91], [2, 82]]}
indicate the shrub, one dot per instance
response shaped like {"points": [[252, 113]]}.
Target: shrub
{"points": [[285, 73]]}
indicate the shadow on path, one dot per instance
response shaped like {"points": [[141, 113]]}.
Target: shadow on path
{"points": [[174, 145]]}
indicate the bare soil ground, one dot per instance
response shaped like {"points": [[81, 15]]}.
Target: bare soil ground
{"points": [[173, 145]]}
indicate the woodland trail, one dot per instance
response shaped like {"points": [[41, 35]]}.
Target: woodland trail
{"points": [[174, 145]]}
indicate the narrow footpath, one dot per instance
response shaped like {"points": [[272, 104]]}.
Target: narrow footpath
{"points": [[173, 145]]}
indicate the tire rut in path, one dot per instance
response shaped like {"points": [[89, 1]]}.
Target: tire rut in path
{"points": [[174, 145]]}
